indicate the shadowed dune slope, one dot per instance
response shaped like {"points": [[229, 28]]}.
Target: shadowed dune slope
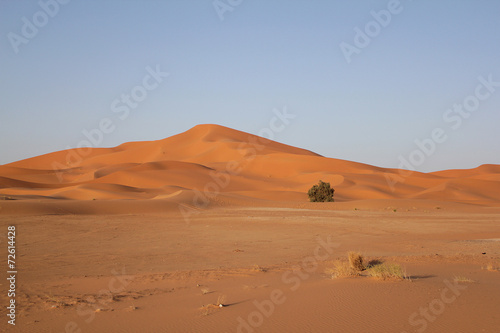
{"points": [[218, 162]]}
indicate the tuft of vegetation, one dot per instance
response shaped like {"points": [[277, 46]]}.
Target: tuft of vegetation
{"points": [[220, 301], [342, 269], [322, 192], [491, 267], [210, 308], [374, 268], [463, 279], [258, 268], [356, 261], [386, 271]]}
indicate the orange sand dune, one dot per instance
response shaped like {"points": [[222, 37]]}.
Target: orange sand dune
{"points": [[218, 163], [146, 236], [484, 169]]}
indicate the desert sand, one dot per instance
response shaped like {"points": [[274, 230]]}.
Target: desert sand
{"points": [[152, 236]]}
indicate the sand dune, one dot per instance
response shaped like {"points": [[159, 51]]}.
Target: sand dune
{"points": [[224, 162], [146, 236]]}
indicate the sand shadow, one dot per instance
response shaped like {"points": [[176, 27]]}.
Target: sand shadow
{"points": [[374, 262], [236, 303], [420, 277]]}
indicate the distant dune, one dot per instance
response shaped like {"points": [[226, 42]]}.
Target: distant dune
{"points": [[211, 164]]}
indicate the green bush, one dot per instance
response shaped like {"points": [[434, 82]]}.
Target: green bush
{"points": [[322, 192]]}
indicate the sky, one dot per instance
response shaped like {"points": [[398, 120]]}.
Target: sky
{"points": [[411, 84]]}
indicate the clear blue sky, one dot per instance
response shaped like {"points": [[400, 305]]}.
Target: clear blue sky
{"points": [[263, 55]]}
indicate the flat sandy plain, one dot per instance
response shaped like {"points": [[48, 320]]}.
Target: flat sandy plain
{"points": [[149, 236]]}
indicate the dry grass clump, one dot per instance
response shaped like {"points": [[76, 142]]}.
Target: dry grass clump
{"points": [[257, 268], [205, 291], [341, 269], [375, 268], [386, 271], [220, 301], [132, 308], [210, 308], [349, 268], [461, 278], [356, 261], [491, 267]]}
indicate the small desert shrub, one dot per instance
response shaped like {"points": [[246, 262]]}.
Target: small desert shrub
{"points": [[387, 271], [341, 269], [210, 308], [322, 192], [356, 261], [258, 268], [132, 308], [221, 300], [462, 279], [491, 267]]}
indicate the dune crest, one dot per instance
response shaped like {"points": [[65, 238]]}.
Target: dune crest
{"points": [[229, 166]]}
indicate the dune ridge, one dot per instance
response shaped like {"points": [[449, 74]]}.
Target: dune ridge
{"points": [[229, 165]]}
